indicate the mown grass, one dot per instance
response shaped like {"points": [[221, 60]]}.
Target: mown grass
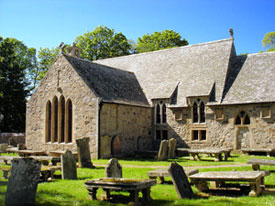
{"points": [[73, 192]]}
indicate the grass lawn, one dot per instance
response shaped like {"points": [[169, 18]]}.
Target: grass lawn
{"points": [[72, 192]]}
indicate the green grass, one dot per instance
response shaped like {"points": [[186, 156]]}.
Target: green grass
{"points": [[73, 192]]}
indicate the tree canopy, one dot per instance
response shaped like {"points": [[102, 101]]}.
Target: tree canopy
{"points": [[16, 61], [160, 40], [269, 41], [102, 43]]}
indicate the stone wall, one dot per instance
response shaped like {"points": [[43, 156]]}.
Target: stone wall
{"points": [[222, 132], [12, 138], [61, 79], [132, 124]]}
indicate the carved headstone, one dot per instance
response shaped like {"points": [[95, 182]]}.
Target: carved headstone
{"points": [[163, 149], [23, 182], [113, 169], [180, 181], [3, 147], [172, 148], [83, 150], [68, 163]]}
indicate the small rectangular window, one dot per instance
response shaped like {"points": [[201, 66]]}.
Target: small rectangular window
{"points": [[195, 135], [158, 135], [164, 134], [203, 135], [198, 135]]}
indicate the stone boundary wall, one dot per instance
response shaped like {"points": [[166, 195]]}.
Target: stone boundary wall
{"points": [[12, 138]]}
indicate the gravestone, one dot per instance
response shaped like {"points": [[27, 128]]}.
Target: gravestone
{"points": [[83, 152], [3, 147], [21, 146], [22, 183], [68, 163], [172, 148], [113, 169], [180, 181], [163, 149]]}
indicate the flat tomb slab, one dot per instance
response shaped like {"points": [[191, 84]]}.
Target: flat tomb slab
{"points": [[120, 183], [257, 150], [133, 186], [229, 176], [165, 173], [261, 162]]}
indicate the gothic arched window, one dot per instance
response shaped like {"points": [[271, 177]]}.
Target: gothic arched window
{"points": [[242, 119], [69, 120], [198, 111], [160, 113], [55, 119], [48, 121], [59, 120]]}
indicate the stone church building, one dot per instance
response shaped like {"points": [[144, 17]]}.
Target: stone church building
{"points": [[203, 95]]}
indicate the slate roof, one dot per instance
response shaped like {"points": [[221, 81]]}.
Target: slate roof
{"points": [[193, 69], [255, 79], [208, 69], [112, 85]]}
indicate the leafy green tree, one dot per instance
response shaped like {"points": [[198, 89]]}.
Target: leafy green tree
{"points": [[46, 57], [269, 41], [15, 62], [160, 40], [102, 43]]}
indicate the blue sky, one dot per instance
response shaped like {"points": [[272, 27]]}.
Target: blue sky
{"points": [[46, 23]]}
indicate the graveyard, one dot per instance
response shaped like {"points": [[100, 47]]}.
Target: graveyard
{"points": [[72, 191]]}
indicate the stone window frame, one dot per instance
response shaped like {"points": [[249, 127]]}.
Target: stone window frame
{"points": [[199, 132], [59, 121], [160, 113], [264, 110], [217, 117], [197, 109], [242, 118]]}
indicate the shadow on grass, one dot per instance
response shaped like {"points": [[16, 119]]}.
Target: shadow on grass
{"points": [[51, 198]]}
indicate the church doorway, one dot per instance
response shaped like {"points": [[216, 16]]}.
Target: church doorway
{"points": [[243, 138], [115, 146]]}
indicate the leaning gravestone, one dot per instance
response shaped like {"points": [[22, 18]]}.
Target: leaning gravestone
{"points": [[172, 148], [180, 181], [162, 155], [22, 183], [68, 163], [113, 169], [83, 150]]}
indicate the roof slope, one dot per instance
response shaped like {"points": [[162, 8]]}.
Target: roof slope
{"points": [[194, 69], [112, 85], [254, 80]]}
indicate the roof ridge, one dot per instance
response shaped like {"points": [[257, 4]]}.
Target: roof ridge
{"points": [[168, 49]]}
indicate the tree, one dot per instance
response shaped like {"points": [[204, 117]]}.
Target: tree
{"points": [[15, 62], [102, 43], [46, 57], [160, 40], [269, 41]]}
